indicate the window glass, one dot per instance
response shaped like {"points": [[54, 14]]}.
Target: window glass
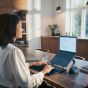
{"points": [[86, 23], [78, 18], [34, 7], [76, 23]]}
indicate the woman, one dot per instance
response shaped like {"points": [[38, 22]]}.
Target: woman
{"points": [[13, 69]]}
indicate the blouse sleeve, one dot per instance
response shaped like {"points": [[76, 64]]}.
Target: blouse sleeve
{"points": [[22, 73]]}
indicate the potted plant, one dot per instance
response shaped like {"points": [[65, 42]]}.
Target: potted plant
{"points": [[53, 27]]}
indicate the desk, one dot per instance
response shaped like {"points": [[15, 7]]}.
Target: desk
{"points": [[61, 80]]}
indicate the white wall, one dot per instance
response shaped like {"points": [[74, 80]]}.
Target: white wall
{"points": [[59, 17], [46, 16], [35, 43], [50, 16], [46, 19]]}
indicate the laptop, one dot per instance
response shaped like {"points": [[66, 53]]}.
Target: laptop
{"points": [[62, 60]]}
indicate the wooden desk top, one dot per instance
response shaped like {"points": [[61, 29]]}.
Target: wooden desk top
{"points": [[62, 80]]}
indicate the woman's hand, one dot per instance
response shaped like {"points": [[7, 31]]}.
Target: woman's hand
{"points": [[38, 63], [41, 63], [47, 69]]}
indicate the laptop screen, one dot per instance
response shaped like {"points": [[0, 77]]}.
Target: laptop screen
{"points": [[68, 43]]}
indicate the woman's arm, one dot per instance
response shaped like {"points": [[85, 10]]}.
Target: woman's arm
{"points": [[38, 63], [21, 72], [47, 67]]}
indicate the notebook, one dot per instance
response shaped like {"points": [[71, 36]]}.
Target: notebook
{"points": [[84, 69], [62, 60]]}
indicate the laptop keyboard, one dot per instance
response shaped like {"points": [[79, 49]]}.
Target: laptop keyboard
{"points": [[63, 58]]}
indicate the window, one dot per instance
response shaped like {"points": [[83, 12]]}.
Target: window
{"points": [[34, 7], [77, 18], [86, 23]]}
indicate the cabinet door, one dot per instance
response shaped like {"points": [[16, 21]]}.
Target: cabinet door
{"points": [[54, 44], [82, 48], [50, 43], [44, 43]]}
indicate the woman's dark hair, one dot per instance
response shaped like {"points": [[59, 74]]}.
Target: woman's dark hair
{"points": [[8, 23]]}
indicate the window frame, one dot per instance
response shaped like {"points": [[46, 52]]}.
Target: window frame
{"points": [[69, 10]]}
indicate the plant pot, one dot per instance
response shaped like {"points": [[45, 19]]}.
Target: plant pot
{"points": [[53, 33]]}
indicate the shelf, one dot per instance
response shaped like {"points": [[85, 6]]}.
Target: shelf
{"points": [[23, 21], [22, 15], [24, 33], [22, 45]]}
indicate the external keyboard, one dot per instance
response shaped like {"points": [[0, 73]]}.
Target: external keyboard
{"points": [[53, 71]]}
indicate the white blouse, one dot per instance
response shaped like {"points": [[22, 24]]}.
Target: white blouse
{"points": [[14, 71]]}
